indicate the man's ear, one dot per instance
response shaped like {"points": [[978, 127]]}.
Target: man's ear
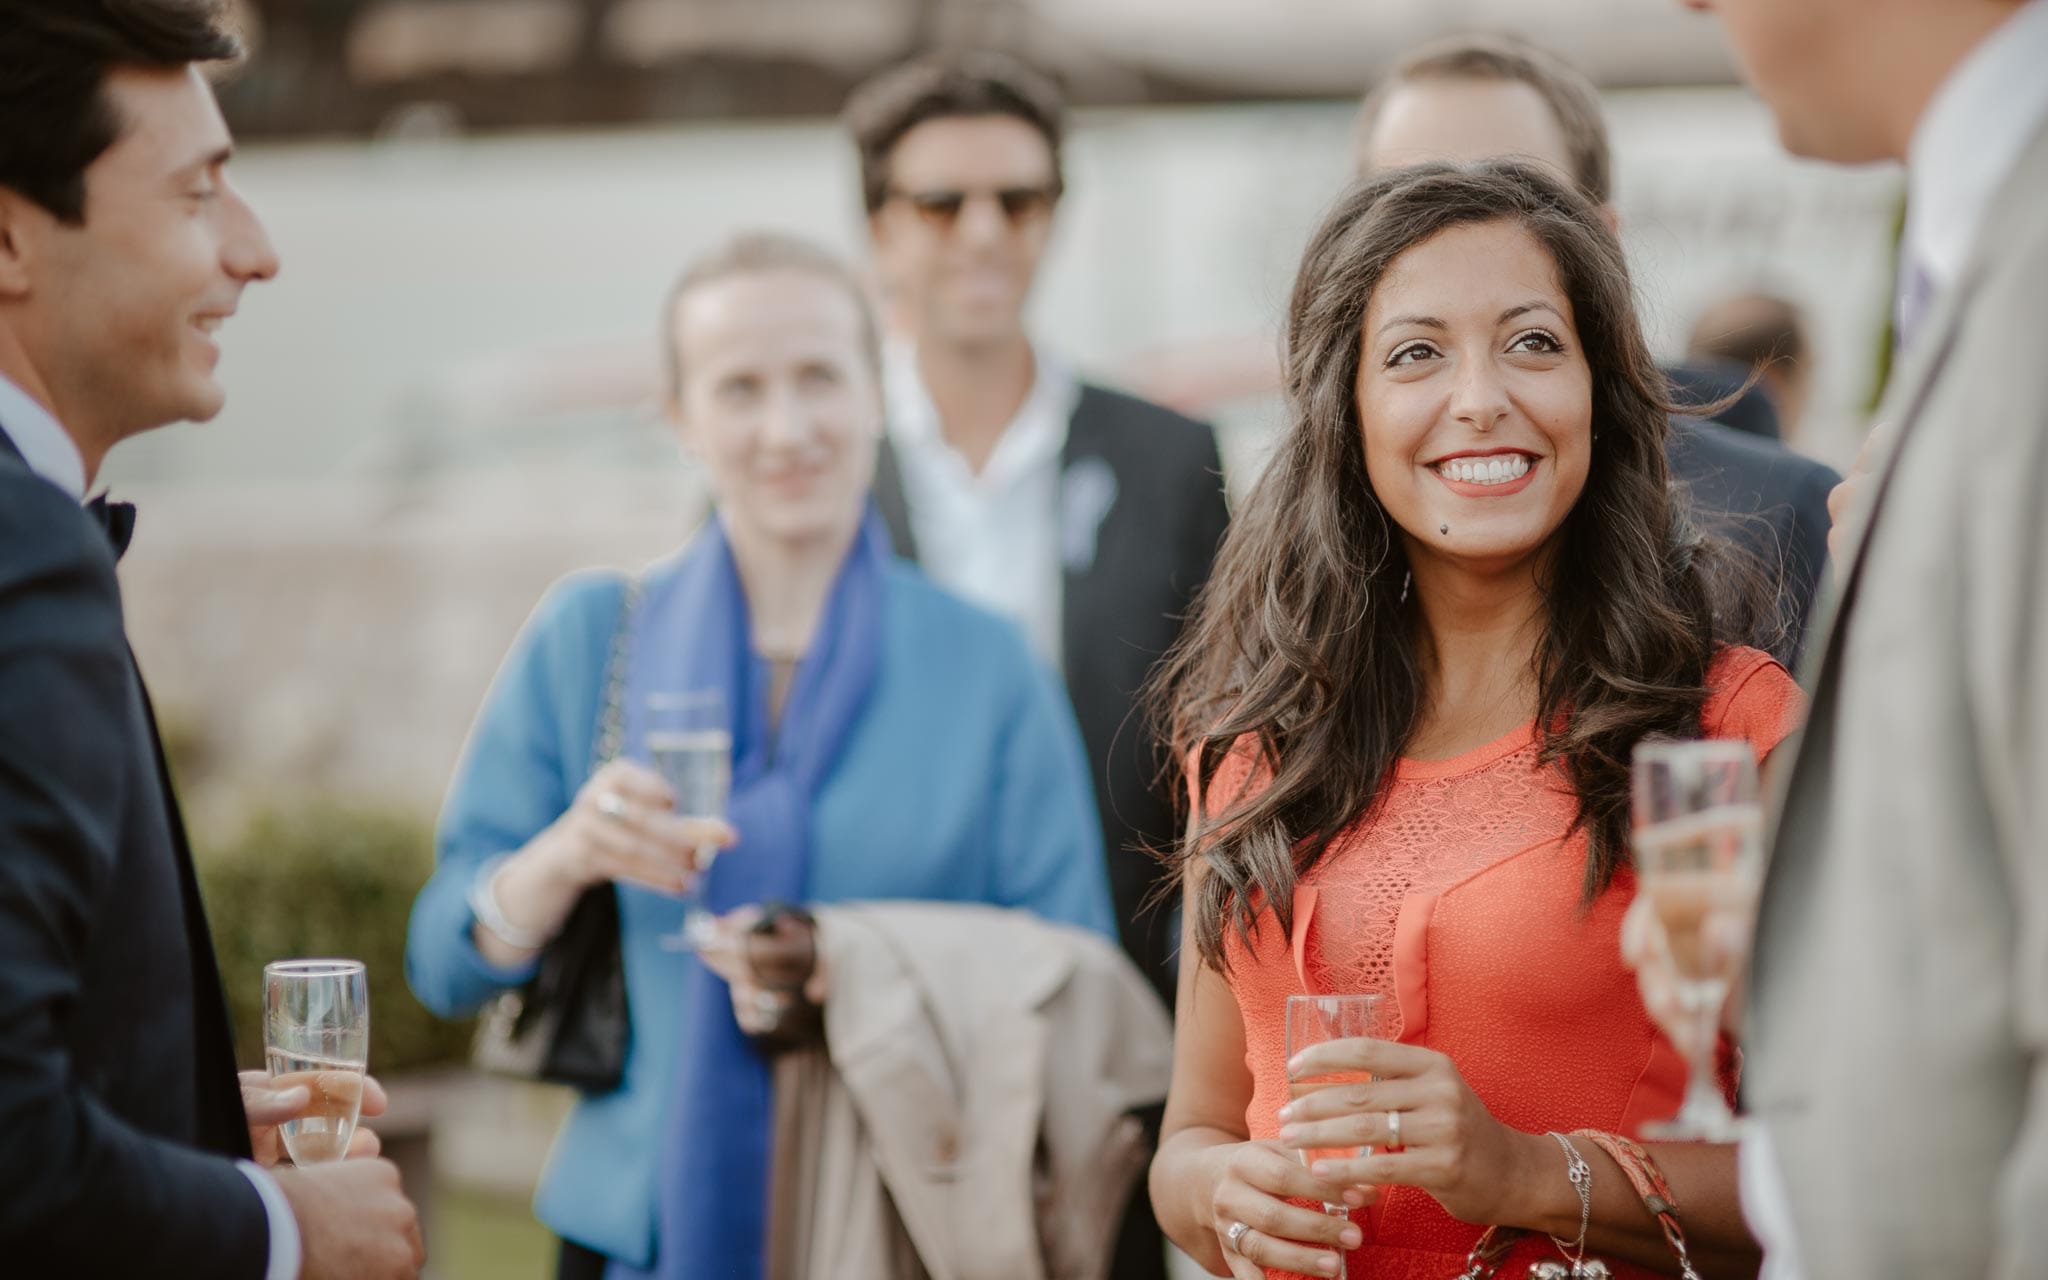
{"points": [[22, 222]]}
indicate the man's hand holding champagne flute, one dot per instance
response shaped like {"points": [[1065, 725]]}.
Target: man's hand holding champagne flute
{"points": [[353, 1217], [1698, 847]]}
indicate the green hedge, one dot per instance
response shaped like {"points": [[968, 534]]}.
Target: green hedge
{"points": [[326, 880]]}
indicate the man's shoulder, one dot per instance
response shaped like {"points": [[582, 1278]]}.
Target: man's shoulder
{"points": [[1771, 470], [1133, 420], [43, 532]]}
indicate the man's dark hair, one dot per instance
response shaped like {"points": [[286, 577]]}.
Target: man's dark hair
{"points": [[941, 87], [1573, 100], [1756, 330], [55, 117]]}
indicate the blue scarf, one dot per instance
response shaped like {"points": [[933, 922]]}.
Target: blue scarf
{"points": [[692, 632]]}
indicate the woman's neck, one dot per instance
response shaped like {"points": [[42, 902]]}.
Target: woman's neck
{"points": [[1477, 634], [786, 585]]}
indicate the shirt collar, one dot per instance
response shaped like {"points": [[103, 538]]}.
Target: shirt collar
{"points": [[44, 444], [1971, 136], [1036, 435]]}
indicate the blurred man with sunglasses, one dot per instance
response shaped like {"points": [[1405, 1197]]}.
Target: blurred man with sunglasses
{"points": [[1087, 516]]}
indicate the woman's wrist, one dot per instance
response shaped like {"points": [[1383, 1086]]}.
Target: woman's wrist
{"points": [[1201, 1163], [534, 891], [1542, 1197]]}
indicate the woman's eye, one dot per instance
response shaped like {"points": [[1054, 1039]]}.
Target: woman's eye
{"points": [[738, 390], [1413, 353], [1537, 340]]}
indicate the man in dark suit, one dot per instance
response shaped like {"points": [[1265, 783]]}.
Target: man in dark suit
{"points": [[1088, 516], [122, 248]]}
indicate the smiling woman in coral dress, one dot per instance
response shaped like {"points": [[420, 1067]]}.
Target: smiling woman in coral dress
{"points": [[1455, 602]]}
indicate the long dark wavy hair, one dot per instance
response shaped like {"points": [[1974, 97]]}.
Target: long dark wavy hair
{"points": [[1302, 639]]}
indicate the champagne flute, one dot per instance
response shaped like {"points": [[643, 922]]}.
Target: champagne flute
{"points": [[689, 742], [316, 1033], [1313, 1020], [1698, 845]]}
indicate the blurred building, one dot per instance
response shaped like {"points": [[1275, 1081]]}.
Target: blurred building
{"points": [[365, 66], [444, 402]]}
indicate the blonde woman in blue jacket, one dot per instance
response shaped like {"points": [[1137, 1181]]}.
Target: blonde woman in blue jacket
{"points": [[890, 742]]}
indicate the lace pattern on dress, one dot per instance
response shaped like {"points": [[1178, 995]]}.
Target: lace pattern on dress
{"points": [[1431, 832]]}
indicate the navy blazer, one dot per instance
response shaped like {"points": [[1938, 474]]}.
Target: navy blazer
{"points": [[1767, 500], [119, 1105]]}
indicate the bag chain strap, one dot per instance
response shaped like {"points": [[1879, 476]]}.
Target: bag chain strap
{"points": [[611, 725]]}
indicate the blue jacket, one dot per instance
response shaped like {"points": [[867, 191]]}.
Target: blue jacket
{"points": [[964, 781]]}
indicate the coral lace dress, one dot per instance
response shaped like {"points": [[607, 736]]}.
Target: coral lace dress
{"points": [[1462, 902]]}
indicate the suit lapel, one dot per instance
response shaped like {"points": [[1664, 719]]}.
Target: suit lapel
{"points": [[1087, 490], [891, 502], [223, 1125], [1899, 416]]}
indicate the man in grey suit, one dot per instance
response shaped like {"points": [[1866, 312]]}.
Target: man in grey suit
{"points": [[1897, 1029]]}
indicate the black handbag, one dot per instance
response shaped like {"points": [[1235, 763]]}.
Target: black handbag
{"points": [[569, 1023]]}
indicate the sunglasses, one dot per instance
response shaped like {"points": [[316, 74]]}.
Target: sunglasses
{"points": [[1020, 205]]}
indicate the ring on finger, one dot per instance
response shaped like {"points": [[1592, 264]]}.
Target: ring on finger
{"points": [[612, 805], [1235, 1236], [1394, 1131]]}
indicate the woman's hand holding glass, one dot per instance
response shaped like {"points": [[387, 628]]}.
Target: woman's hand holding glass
{"points": [[1254, 1183], [621, 827], [1447, 1145]]}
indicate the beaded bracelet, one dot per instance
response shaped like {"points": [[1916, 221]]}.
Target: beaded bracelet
{"points": [[1648, 1180]]}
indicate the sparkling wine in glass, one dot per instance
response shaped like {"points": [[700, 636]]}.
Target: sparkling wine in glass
{"points": [[689, 743], [1698, 844], [1313, 1020], [316, 1033]]}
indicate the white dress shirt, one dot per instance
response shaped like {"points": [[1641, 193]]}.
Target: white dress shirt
{"points": [[1974, 131], [50, 453], [993, 536], [47, 448]]}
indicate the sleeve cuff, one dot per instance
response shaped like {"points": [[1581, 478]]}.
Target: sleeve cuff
{"points": [[285, 1254], [497, 975]]}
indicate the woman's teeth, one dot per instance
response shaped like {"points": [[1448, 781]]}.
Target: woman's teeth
{"points": [[1495, 470]]}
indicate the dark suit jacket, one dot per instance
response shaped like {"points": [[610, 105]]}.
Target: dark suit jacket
{"points": [[118, 1098], [1127, 585], [1768, 500], [1749, 408]]}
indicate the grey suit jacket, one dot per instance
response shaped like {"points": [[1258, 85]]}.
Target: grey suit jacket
{"points": [[1898, 1046]]}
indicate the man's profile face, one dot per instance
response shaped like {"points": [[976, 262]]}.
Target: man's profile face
{"points": [[122, 310], [1805, 61], [1463, 121]]}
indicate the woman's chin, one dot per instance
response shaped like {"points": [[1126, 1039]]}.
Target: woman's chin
{"points": [[1482, 546], [808, 526]]}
